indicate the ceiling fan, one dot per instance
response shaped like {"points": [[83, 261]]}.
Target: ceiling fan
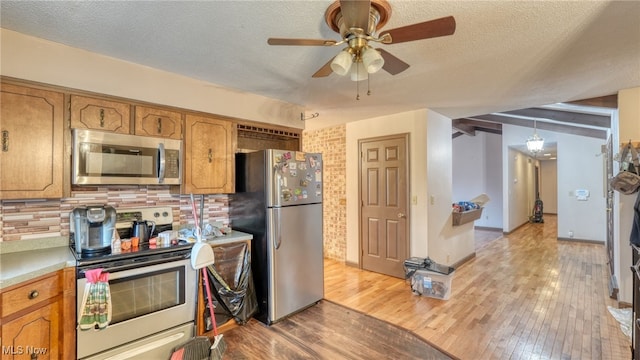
{"points": [[357, 22]]}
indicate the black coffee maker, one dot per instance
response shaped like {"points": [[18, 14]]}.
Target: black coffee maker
{"points": [[93, 228]]}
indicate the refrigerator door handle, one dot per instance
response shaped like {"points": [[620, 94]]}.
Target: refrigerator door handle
{"points": [[277, 241]]}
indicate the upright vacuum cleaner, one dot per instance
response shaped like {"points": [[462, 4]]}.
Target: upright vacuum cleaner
{"points": [[537, 210]]}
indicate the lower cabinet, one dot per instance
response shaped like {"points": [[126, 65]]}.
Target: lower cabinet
{"points": [[36, 316], [35, 335]]}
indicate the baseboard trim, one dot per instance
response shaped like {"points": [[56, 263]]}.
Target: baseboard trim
{"points": [[517, 227], [487, 228], [352, 264], [585, 241], [464, 260]]}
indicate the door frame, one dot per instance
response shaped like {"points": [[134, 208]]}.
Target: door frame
{"points": [[407, 143]]}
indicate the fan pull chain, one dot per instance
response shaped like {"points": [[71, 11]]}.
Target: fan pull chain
{"points": [[368, 85]]}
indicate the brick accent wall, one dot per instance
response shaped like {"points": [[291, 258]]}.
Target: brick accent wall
{"points": [[32, 219], [331, 142]]}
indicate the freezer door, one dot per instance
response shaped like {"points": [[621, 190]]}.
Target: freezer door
{"points": [[296, 271], [293, 178]]}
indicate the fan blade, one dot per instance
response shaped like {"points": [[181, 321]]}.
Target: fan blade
{"points": [[325, 70], [307, 42], [424, 30], [355, 13], [392, 64]]}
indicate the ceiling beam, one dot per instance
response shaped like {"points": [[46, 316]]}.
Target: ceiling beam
{"points": [[466, 129], [567, 129], [602, 121], [477, 124], [609, 101]]}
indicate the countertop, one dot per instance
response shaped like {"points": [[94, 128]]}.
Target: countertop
{"points": [[24, 260], [234, 236]]}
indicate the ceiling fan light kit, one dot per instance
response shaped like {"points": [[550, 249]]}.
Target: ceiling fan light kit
{"points": [[342, 63], [372, 60], [357, 22], [358, 72]]}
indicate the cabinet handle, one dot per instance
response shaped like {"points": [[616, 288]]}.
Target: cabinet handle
{"points": [[159, 125], [101, 117], [33, 294], [210, 156], [34, 356], [5, 140]]}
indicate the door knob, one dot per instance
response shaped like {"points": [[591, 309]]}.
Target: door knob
{"points": [[401, 216]]}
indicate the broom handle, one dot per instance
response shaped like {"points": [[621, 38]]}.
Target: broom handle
{"points": [[206, 285]]}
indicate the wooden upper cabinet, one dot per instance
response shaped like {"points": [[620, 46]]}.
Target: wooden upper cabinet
{"points": [[209, 155], [158, 122], [32, 145], [100, 114]]}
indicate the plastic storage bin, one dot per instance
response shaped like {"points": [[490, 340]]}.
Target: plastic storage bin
{"points": [[429, 278], [431, 284]]}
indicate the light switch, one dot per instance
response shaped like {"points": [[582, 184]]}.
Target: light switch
{"points": [[432, 199]]}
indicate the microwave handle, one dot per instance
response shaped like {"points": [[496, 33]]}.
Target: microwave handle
{"points": [[162, 161]]}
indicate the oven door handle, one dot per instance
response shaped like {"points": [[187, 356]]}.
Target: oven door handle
{"points": [[135, 265]]}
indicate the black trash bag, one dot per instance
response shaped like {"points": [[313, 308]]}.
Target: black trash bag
{"points": [[232, 284], [635, 227]]}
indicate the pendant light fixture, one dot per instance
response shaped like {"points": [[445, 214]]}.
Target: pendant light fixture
{"points": [[535, 142]]}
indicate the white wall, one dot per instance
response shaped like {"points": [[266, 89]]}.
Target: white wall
{"points": [[629, 129], [30, 58], [580, 166], [414, 123], [430, 225], [519, 187], [448, 244], [477, 169], [549, 186]]}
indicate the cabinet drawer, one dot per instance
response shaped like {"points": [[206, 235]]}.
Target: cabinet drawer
{"points": [[30, 294]]}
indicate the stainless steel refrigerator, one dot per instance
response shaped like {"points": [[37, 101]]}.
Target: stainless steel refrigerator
{"points": [[278, 200]]}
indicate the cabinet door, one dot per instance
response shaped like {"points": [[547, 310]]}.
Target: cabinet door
{"points": [[158, 122], [35, 335], [99, 114], [209, 156], [31, 154]]}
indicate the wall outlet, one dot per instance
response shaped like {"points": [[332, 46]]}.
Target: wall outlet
{"points": [[432, 199], [414, 199], [448, 258], [570, 234]]}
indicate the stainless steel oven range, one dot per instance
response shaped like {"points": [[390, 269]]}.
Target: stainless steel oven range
{"points": [[153, 298]]}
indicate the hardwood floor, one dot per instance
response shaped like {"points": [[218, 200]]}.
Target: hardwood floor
{"points": [[524, 296], [327, 331]]}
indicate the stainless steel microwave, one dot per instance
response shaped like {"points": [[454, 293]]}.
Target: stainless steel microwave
{"points": [[103, 158]]}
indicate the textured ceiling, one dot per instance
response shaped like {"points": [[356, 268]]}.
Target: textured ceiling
{"points": [[504, 55]]}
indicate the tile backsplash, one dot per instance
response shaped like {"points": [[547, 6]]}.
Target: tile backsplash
{"points": [[33, 219]]}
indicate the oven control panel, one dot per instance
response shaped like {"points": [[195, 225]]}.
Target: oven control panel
{"points": [[162, 215]]}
